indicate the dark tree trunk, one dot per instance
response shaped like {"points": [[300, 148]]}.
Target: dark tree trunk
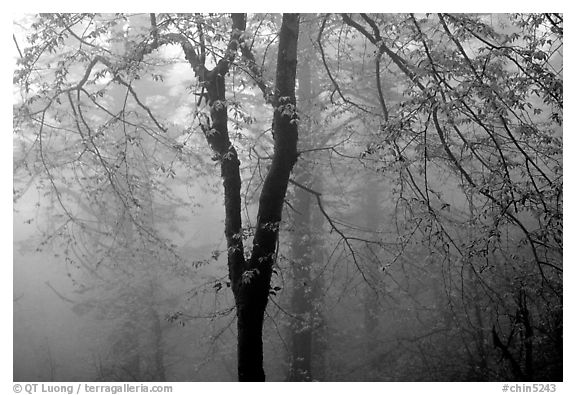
{"points": [[250, 279], [250, 312], [526, 334], [252, 292]]}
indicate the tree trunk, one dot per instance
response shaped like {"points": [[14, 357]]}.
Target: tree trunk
{"points": [[158, 370], [250, 280], [250, 349], [319, 329], [251, 289], [303, 239], [371, 301], [302, 307]]}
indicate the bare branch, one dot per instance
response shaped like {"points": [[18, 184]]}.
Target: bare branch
{"points": [[17, 46]]}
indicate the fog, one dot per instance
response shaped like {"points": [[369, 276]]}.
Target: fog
{"points": [[380, 195], [54, 340]]}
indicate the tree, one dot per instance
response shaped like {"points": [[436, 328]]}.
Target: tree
{"points": [[304, 238], [73, 41], [484, 104]]}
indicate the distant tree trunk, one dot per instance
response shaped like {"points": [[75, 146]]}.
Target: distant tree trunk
{"points": [[302, 244], [319, 331], [301, 304], [140, 341], [157, 371], [125, 353], [479, 365], [371, 302], [306, 329], [480, 339]]}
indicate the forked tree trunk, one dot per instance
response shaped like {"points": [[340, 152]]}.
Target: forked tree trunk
{"points": [[252, 291], [250, 279]]}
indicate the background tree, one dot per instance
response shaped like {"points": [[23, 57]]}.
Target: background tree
{"points": [[466, 113]]}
